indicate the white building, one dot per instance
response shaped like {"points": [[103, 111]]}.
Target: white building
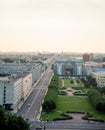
{"points": [[79, 68], [11, 93], [17, 85], [26, 85], [100, 78]]}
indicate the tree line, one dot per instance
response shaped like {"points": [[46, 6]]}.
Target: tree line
{"points": [[97, 100], [9, 121], [51, 96], [89, 81]]}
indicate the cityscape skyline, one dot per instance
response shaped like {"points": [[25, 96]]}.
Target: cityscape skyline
{"points": [[52, 26]]}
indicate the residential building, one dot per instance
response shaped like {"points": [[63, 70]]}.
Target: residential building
{"points": [[89, 67], [10, 93], [16, 81], [100, 78]]}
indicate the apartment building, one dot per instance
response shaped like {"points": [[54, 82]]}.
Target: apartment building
{"points": [[16, 81], [100, 78], [26, 85], [10, 93]]}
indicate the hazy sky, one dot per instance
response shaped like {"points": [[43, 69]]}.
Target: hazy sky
{"points": [[52, 25]]}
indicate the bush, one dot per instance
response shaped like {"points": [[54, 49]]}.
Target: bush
{"points": [[63, 88], [66, 117], [77, 81], [74, 112], [62, 93], [48, 105], [72, 81]]}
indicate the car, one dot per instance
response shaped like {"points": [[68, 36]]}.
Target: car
{"points": [[28, 105], [27, 118]]}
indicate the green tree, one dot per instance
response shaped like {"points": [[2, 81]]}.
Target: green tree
{"points": [[9, 121]]}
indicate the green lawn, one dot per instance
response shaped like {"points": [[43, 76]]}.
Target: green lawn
{"points": [[60, 83], [73, 103], [52, 115], [99, 115], [67, 83]]}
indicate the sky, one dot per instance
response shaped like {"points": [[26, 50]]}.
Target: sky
{"points": [[52, 25]]}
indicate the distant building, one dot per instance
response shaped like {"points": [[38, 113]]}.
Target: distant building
{"points": [[87, 57], [89, 67], [11, 68], [100, 78], [103, 59], [68, 68]]}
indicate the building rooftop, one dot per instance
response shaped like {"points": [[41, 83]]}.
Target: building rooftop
{"points": [[102, 73]]}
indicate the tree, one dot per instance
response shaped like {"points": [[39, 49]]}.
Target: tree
{"points": [[48, 105], [2, 118], [9, 121], [52, 93], [96, 99], [92, 81]]}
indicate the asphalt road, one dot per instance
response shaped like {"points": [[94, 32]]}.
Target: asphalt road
{"points": [[68, 126], [31, 108]]}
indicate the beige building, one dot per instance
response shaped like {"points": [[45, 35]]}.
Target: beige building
{"points": [[26, 85], [100, 78]]}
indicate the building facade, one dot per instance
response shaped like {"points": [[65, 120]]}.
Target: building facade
{"points": [[68, 68], [87, 57], [10, 93], [100, 78], [16, 81]]}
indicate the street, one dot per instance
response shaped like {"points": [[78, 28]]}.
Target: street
{"points": [[55, 125], [31, 107]]}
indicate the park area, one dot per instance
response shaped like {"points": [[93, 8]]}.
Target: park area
{"points": [[68, 104]]}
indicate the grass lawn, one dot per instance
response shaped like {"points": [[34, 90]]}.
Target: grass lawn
{"points": [[99, 115], [67, 83], [60, 83], [51, 115], [73, 103]]}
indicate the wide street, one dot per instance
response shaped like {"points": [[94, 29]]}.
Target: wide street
{"points": [[31, 107], [60, 125]]}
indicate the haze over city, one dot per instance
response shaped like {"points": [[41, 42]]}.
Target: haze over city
{"points": [[52, 25]]}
